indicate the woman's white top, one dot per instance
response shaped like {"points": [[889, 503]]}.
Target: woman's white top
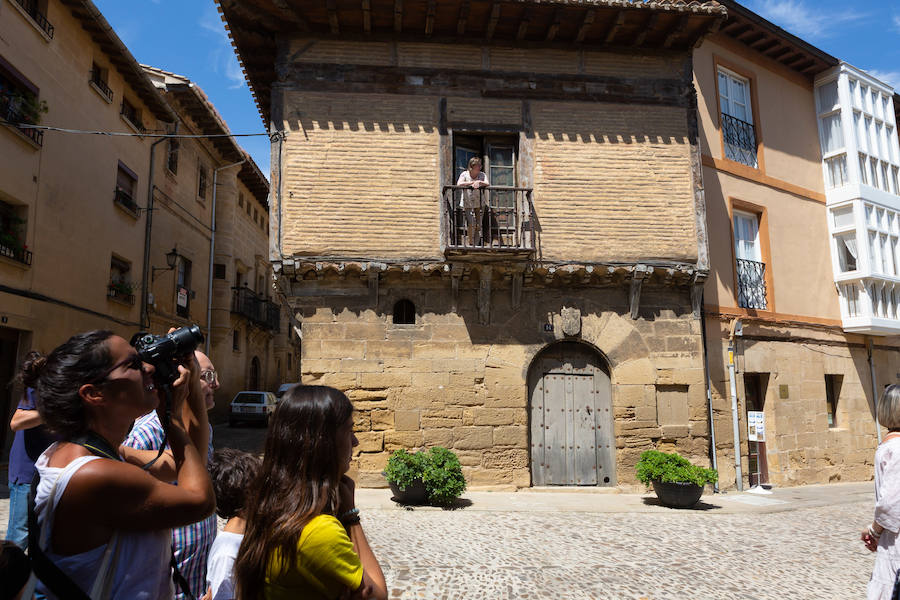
{"points": [[887, 514], [138, 562], [220, 567]]}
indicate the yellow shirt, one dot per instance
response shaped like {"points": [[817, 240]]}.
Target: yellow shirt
{"points": [[326, 564]]}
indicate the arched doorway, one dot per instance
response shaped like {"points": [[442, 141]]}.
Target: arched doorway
{"points": [[253, 383], [570, 412]]}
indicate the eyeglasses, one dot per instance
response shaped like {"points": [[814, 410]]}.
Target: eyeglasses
{"points": [[209, 376], [132, 362]]}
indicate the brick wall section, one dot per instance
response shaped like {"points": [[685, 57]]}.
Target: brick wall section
{"points": [[359, 185], [620, 171]]}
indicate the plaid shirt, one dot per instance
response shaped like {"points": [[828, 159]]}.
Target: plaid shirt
{"points": [[190, 543]]}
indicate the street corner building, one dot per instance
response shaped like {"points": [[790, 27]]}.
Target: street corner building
{"points": [[553, 326]]}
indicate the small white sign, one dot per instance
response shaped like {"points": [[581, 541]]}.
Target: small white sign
{"points": [[756, 426], [182, 297]]}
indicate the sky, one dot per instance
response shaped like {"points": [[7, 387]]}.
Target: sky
{"points": [[188, 37]]}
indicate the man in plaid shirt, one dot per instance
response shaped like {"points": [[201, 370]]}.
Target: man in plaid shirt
{"points": [[191, 543]]}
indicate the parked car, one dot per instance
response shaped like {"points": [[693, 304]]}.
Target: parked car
{"points": [[254, 407], [282, 389]]}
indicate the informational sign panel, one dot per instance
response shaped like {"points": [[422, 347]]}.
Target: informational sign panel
{"points": [[182, 297], [756, 426]]}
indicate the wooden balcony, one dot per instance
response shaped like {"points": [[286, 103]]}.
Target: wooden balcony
{"points": [[503, 226]]}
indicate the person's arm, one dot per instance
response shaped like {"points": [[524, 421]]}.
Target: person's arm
{"points": [[25, 418], [194, 414], [373, 584]]}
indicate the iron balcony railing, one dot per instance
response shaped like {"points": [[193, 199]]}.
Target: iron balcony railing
{"points": [[17, 254], [124, 199], [117, 293], [740, 140], [496, 218], [256, 309], [97, 80], [9, 112], [131, 113], [32, 9], [751, 284]]}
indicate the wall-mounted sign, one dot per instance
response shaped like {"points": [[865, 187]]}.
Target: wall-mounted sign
{"points": [[182, 297], [756, 426]]}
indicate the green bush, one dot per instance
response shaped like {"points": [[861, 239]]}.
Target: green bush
{"points": [[672, 468], [438, 469]]}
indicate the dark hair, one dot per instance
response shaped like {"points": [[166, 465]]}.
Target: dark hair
{"points": [[299, 480], [81, 359], [232, 471], [15, 568]]}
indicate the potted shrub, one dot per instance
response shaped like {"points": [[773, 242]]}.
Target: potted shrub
{"points": [[677, 483], [434, 476]]}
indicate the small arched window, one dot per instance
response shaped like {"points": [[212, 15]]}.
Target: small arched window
{"points": [[404, 312]]}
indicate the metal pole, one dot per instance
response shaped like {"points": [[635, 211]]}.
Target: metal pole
{"points": [[869, 352], [709, 405], [145, 279], [734, 418], [212, 253]]}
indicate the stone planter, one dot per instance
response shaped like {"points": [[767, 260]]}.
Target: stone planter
{"points": [[414, 494], [677, 495]]}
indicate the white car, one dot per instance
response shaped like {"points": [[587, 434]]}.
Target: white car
{"points": [[282, 389], [252, 407]]}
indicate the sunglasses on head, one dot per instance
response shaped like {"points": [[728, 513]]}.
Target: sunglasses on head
{"points": [[132, 362]]}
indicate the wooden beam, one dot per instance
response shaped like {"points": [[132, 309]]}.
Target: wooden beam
{"points": [[614, 27], [398, 16], [492, 22], [737, 29], [648, 26], [766, 44], [677, 31], [779, 52], [808, 63], [367, 15], [634, 294], [554, 26], [792, 59], [523, 24], [429, 17], [331, 5], [291, 14], [463, 17], [588, 20], [745, 35]]}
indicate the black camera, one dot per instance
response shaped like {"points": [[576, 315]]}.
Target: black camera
{"points": [[164, 352]]}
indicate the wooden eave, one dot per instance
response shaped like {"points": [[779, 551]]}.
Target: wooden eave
{"points": [[120, 57], [254, 26], [773, 42]]}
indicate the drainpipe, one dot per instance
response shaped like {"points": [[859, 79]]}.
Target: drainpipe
{"points": [[869, 352], [212, 252], [145, 275], [734, 407], [709, 405]]}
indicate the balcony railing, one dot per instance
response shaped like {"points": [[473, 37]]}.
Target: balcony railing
{"points": [[101, 85], [131, 113], [497, 218], [17, 254], [32, 9], [256, 309], [9, 111], [125, 200], [740, 140], [117, 292], [751, 284]]}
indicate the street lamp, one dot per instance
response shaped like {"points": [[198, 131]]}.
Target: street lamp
{"points": [[171, 259]]}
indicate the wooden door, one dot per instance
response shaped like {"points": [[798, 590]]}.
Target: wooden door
{"points": [[571, 419]]}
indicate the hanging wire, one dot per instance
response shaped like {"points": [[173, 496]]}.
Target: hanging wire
{"points": [[124, 134]]}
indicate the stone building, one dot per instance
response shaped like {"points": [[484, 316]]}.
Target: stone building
{"points": [[561, 340], [800, 162]]}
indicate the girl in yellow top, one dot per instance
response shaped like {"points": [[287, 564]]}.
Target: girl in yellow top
{"points": [[303, 538]]}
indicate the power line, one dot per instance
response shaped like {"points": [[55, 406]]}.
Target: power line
{"points": [[124, 134]]}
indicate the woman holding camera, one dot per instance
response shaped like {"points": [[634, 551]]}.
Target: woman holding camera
{"points": [[303, 538], [105, 523]]}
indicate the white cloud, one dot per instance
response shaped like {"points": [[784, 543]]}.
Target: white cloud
{"points": [[897, 23], [892, 78], [803, 20], [222, 57]]}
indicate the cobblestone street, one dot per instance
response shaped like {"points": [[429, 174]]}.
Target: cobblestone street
{"points": [[806, 553]]}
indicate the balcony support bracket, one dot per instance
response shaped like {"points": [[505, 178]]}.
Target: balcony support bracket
{"points": [[484, 295], [516, 288], [455, 274], [697, 283], [637, 280], [373, 287]]}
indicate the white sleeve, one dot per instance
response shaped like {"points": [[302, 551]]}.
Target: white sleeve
{"points": [[887, 509]]}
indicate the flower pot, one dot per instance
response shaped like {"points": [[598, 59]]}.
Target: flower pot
{"points": [[677, 494], [413, 494]]}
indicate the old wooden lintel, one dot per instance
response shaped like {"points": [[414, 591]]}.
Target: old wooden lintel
{"points": [[634, 295], [697, 284]]}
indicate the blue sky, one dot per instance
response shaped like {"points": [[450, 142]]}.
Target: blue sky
{"points": [[188, 37]]}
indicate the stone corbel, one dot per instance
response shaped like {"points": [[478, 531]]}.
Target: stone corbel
{"points": [[373, 287], [637, 280], [484, 295], [516, 288], [455, 274], [697, 283]]}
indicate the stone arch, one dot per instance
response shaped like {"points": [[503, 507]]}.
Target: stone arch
{"points": [[571, 434]]}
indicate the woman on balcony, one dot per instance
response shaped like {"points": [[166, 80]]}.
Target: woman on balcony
{"points": [[473, 201]]}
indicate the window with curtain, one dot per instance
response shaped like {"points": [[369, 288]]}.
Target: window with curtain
{"points": [[832, 136], [847, 252], [738, 132]]}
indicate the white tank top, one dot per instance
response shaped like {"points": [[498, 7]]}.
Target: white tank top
{"points": [[139, 561]]}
